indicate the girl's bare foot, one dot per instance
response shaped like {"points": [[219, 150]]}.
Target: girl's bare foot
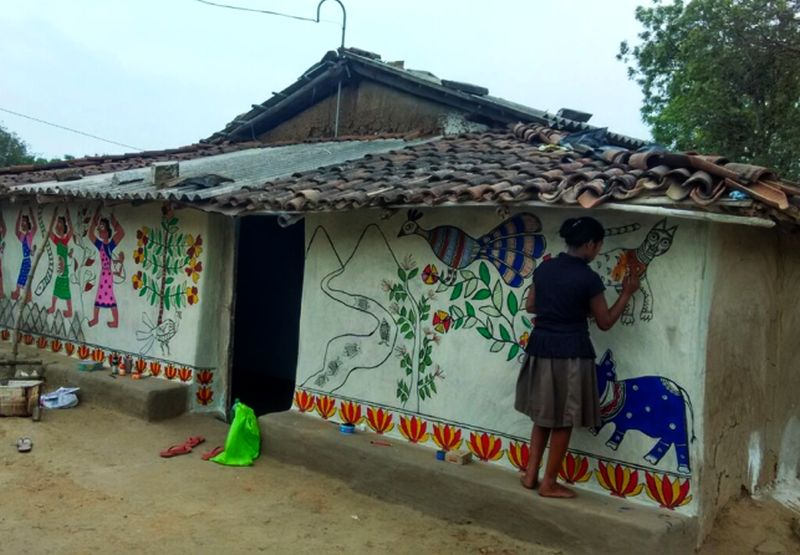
{"points": [[528, 483], [113, 324], [556, 490], [92, 322], [67, 314], [51, 310]]}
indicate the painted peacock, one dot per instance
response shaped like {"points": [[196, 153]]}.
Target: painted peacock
{"points": [[512, 247]]}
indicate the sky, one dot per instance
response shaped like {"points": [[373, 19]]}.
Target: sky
{"points": [[157, 74]]}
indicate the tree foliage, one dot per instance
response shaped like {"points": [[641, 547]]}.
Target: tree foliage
{"points": [[14, 151], [723, 77]]}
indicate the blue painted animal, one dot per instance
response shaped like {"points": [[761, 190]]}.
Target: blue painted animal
{"points": [[512, 247], [653, 405]]}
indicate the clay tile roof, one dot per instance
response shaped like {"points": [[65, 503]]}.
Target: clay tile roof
{"points": [[530, 163]]}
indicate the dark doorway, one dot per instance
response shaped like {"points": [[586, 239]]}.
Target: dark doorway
{"points": [[266, 327]]}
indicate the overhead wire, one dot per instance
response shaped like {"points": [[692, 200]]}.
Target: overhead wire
{"points": [[267, 12], [70, 129]]}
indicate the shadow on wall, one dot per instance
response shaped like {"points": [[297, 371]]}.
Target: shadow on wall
{"points": [[269, 282]]}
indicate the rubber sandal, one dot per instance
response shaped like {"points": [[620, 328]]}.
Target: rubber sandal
{"points": [[176, 450], [194, 441], [24, 445], [213, 453]]}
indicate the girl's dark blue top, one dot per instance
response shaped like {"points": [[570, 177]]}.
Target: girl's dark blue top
{"points": [[563, 286]]}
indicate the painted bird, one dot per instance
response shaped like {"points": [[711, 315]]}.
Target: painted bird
{"points": [[512, 247]]}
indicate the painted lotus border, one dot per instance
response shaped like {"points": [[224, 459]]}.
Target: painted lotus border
{"points": [[617, 478], [203, 379]]}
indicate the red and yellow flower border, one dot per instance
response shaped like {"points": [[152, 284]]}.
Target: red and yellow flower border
{"points": [[667, 491]]}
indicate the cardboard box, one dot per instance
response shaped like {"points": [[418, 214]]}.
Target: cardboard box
{"points": [[458, 457]]}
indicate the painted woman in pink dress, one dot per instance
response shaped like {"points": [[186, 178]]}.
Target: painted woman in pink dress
{"points": [[110, 234]]}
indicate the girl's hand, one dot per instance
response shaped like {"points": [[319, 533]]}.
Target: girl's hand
{"points": [[630, 283]]}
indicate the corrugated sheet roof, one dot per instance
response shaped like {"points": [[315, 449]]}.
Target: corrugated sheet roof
{"points": [[251, 167]]}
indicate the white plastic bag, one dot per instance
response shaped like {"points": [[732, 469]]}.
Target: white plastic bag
{"points": [[61, 398]]}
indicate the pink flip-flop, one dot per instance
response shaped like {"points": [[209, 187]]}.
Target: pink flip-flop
{"points": [[194, 441], [176, 450], [213, 453]]}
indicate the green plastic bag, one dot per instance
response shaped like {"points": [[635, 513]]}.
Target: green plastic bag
{"points": [[243, 444]]}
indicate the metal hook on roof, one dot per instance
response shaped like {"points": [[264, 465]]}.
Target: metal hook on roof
{"points": [[344, 16]]}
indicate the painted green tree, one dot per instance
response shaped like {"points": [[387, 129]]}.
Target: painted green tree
{"points": [[478, 302], [171, 269], [411, 313]]}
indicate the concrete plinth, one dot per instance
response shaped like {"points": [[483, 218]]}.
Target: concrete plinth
{"points": [[478, 492], [149, 399]]}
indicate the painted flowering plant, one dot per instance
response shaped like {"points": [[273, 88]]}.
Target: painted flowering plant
{"points": [[482, 304], [418, 340]]}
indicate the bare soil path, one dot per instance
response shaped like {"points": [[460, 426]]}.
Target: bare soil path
{"points": [[94, 483]]}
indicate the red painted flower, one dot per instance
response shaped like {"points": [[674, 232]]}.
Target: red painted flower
{"points": [[447, 437], [350, 413], [485, 446], [523, 339], [518, 454], [414, 429], [140, 365], [69, 348], [441, 321], [205, 377], [430, 275], [98, 355], [170, 372], [204, 395], [28, 339], [620, 480], [155, 368], [379, 420], [666, 492], [84, 352], [326, 406], [574, 469], [303, 400], [41, 342], [55, 346], [5, 334], [185, 374], [194, 245], [192, 295]]}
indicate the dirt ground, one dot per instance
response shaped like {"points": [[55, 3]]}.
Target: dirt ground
{"points": [[754, 526], [94, 483]]}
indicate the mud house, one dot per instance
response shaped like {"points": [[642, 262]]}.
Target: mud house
{"points": [[377, 262]]}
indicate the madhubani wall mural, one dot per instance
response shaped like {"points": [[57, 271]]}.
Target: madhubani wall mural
{"points": [[415, 324], [111, 282]]}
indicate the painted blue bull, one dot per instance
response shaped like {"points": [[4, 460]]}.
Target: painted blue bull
{"points": [[653, 405]]}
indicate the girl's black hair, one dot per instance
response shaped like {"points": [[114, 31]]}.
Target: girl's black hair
{"points": [[63, 220], [579, 231], [107, 224]]}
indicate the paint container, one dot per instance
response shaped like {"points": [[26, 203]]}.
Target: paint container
{"points": [[347, 428], [440, 455]]}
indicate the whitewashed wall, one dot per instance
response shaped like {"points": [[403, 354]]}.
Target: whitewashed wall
{"points": [[184, 345], [353, 338]]}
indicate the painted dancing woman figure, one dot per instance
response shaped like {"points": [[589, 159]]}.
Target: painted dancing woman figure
{"points": [[110, 234], [61, 238], [2, 251], [25, 230], [557, 385]]}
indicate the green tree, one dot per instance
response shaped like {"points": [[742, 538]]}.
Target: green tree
{"points": [[14, 151], [723, 77]]}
